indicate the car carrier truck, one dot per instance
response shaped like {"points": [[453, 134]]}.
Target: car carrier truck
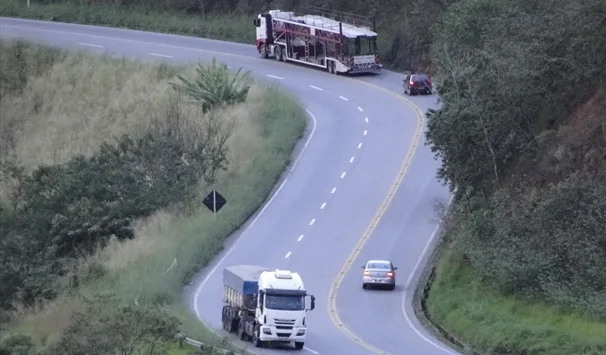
{"points": [[264, 305], [335, 41]]}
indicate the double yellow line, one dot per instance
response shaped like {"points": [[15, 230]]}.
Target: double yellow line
{"points": [[334, 289]]}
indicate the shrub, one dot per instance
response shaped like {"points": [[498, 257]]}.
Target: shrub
{"points": [[215, 86]]}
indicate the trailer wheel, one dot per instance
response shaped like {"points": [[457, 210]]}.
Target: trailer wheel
{"points": [[241, 331], [299, 345]]}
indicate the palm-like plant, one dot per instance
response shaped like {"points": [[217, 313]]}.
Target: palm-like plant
{"points": [[215, 86]]}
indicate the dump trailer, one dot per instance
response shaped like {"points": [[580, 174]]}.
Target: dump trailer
{"points": [[335, 41], [264, 305]]}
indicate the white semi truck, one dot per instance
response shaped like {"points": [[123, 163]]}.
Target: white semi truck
{"points": [[264, 305], [335, 41]]}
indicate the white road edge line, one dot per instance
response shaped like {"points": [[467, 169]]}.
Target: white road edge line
{"points": [[90, 45], [300, 238], [311, 351], [311, 135], [343, 175], [275, 77], [359, 145], [360, 109], [161, 55], [233, 246], [366, 119], [333, 190], [352, 159], [343, 98], [409, 281], [287, 255], [315, 87], [323, 205], [311, 223]]}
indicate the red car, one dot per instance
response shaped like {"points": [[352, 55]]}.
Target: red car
{"points": [[418, 84]]}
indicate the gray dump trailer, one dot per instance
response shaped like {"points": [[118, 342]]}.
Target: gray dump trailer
{"points": [[240, 290]]}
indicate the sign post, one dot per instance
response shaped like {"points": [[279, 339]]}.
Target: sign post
{"points": [[214, 202]]}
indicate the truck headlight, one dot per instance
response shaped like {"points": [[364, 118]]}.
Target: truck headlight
{"points": [[300, 332], [266, 331]]}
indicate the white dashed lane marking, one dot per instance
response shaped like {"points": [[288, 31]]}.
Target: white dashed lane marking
{"points": [[161, 55], [90, 45]]}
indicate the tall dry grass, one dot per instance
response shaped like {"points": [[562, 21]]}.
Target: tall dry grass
{"points": [[77, 102]]}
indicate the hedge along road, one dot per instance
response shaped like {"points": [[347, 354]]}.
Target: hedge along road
{"points": [[363, 186]]}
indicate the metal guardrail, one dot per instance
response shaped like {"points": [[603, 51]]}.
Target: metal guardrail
{"points": [[184, 339]]}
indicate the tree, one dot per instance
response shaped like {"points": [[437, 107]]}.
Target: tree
{"points": [[105, 327]]}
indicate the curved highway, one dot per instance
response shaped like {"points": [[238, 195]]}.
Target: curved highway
{"points": [[362, 186]]}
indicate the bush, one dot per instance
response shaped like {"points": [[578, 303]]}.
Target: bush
{"points": [[215, 86]]}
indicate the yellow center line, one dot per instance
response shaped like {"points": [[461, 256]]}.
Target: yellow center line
{"points": [[334, 289]]}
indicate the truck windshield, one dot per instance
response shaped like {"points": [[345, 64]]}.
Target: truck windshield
{"points": [[285, 303], [360, 46]]}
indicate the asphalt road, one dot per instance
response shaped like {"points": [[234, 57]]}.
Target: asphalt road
{"points": [[363, 186]]}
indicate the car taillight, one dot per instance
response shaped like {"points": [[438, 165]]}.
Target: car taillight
{"points": [[412, 83], [390, 274], [376, 59]]}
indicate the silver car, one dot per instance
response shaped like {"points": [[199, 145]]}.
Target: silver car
{"points": [[380, 273]]}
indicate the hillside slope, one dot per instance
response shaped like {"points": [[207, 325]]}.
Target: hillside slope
{"points": [[522, 136]]}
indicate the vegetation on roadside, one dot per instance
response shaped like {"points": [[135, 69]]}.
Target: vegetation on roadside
{"points": [[522, 137], [403, 27], [103, 164]]}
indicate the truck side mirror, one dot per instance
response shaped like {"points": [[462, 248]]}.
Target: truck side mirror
{"points": [[313, 303], [257, 22]]}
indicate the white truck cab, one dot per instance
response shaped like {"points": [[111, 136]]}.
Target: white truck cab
{"points": [[281, 307]]}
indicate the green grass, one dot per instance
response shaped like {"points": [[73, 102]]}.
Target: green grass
{"points": [[228, 27], [269, 124], [490, 322]]}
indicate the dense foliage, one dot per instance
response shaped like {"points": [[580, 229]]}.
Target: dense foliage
{"points": [[55, 215], [527, 160]]}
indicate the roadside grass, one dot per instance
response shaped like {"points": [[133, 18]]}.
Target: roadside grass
{"points": [[496, 324], [228, 27], [234, 27], [71, 103]]}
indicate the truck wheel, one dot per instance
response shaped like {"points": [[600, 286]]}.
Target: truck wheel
{"points": [[278, 53], [258, 343], [299, 345], [263, 51]]}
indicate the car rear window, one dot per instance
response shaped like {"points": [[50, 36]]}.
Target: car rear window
{"points": [[419, 78], [378, 266]]}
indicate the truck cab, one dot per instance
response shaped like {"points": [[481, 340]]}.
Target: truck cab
{"points": [[281, 307]]}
